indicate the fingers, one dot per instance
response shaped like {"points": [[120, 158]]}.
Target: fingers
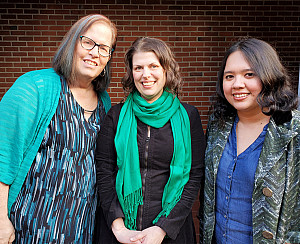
{"points": [[139, 237]]}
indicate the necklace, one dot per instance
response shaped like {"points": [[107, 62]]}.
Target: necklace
{"points": [[88, 111]]}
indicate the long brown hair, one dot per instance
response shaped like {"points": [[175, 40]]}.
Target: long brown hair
{"points": [[63, 62]]}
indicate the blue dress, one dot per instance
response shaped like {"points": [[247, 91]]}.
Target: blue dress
{"points": [[58, 199]]}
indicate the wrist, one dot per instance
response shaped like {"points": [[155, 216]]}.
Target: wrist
{"points": [[117, 225], [3, 212]]}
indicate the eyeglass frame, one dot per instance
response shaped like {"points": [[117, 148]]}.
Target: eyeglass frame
{"points": [[98, 45]]}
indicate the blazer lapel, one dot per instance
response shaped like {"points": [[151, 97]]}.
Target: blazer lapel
{"points": [[275, 144], [221, 137]]}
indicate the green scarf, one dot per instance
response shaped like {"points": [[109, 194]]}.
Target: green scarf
{"points": [[128, 181]]}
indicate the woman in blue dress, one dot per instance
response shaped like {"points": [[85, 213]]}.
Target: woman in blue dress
{"points": [[49, 123]]}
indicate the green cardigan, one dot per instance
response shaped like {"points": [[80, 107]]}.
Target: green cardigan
{"points": [[25, 112], [276, 193]]}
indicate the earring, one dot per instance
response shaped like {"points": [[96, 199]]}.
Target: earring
{"points": [[102, 74]]}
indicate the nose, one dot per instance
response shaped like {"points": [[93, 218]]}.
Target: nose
{"points": [[238, 82], [146, 73], [94, 51]]}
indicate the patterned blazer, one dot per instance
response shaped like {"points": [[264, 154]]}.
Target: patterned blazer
{"points": [[276, 193]]}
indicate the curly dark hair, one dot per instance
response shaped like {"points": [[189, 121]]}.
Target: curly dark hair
{"points": [[276, 97], [165, 57]]}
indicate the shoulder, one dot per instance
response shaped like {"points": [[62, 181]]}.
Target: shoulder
{"points": [[45, 80], [217, 130], [191, 110], [115, 109], [42, 75], [296, 118], [294, 125], [294, 122], [32, 86], [113, 114]]}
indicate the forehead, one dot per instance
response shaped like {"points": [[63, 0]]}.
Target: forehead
{"points": [[100, 32], [140, 58], [237, 60]]}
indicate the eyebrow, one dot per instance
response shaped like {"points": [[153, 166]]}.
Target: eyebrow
{"points": [[244, 70], [147, 64]]}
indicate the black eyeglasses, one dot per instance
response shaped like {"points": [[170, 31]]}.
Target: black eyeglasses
{"points": [[89, 44]]}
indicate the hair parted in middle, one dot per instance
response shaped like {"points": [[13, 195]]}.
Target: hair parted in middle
{"points": [[63, 62], [166, 59]]}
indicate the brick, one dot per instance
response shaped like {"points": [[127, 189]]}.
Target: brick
{"points": [[199, 32]]}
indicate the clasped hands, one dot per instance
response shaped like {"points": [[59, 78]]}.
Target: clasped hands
{"points": [[151, 235]]}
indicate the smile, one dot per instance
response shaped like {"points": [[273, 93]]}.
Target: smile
{"points": [[90, 62], [240, 95], [148, 84]]}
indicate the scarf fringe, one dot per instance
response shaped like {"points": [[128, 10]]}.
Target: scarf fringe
{"points": [[131, 203], [167, 209]]}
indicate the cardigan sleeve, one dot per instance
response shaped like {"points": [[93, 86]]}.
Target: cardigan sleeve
{"points": [[25, 112], [175, 220], [106, 165]]}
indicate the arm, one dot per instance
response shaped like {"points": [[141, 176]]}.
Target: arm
{"points": [[25, 112], [201, 194], [172, 224], [106, 166], [7, 231]]}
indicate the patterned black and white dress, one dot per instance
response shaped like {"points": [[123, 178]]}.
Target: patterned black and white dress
{"points": [[58, 199]]}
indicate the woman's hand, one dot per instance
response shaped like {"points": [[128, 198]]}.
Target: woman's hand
{"points": [[123, 234], [151, 235], [7, 231]]}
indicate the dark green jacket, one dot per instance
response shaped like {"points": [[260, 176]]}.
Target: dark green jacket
{"points": [[276, 193]]}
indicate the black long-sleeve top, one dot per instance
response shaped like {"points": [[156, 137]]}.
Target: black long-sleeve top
{"points": [[155, 154]]}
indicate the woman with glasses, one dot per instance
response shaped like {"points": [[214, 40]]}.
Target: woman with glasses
{"points": [[150, 153], [49, 123]]}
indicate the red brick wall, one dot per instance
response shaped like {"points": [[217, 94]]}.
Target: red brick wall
{"points": [[199, 32]]}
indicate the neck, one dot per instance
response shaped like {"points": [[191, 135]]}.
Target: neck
{"points": [[81, 86], [254, 118], [76, 82]]}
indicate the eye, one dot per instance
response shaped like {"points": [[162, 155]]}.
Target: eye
{"points": [[250, 74], [228, 77], [104, 48], [87, 43], [136, 68]]}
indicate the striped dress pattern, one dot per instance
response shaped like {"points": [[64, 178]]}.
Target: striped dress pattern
{"points": [[58, 199]]}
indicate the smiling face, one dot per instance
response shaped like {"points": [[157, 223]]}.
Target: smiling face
{"points": [[148, 74], [241, 85], [88, 63]]}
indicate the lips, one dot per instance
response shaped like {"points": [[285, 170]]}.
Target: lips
{"points": [[148, 83], [241, 95], [90, 62]]}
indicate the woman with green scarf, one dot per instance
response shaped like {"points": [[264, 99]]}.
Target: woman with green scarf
{"points": [[149, 154]]}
